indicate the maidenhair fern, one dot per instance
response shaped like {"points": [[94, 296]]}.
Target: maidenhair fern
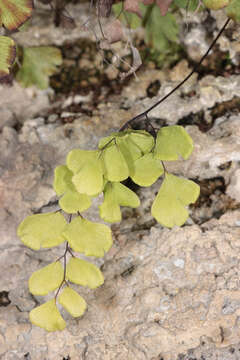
{"points": [[134, 154], [86, 175]]}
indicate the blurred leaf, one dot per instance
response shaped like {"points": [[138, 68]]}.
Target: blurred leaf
{"points": [[173, 142], [72, 302], [47, 316], [175, 193], [87, 237], [46, 279], [127, 18], [132, 6], [160, 30], [188, 5], [163, 6], [233, 10], [84, 273], [42, 230], [147, 170], [113, 31], [13, 13], [8, 54], [216, 4], [38, 64]]}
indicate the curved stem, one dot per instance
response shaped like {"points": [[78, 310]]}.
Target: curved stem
{"points": [[144, 113]]}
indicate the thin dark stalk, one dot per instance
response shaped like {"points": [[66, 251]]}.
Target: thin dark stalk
{"points": [[144, 113]]}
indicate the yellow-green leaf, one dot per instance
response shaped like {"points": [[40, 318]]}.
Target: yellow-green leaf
{"points": [[147, 170], [47, 317], [87, 237], [84, 273], [175, 193], [8, 54], [109, 210], [115, 166], [72, 302], [42, 230], [89, 179], [38, 64], [173, 142], [62, 179], [13, 13], [130, 151], [72, 202], [125, 196], [77, 158], [216, 4], [46, 279], [142, 139]]}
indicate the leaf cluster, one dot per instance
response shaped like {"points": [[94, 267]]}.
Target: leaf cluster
{"points": [[87, 174], [38, 63]]}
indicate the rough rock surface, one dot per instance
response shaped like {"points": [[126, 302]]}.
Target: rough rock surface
{"points": [[168, 294], [163, 294]]}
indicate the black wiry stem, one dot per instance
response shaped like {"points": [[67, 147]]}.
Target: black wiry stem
{"points": [[144, 113]]}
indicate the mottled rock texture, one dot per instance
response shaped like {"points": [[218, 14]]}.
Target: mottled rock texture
{"points": [[168, 294]]}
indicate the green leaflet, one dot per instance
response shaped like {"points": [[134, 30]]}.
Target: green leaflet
{"points": [[175, 193], [47, 317], [115, 166], [173, 142], [77, 158], [13, 13], [116, 195], [46, 279], [110, 210], [71, 201], [233, 10], [42, 230], [38, 64], [8, 54], [87, 237], [147, 170], [72, 302], [87, 168], [89, 179], [84, 273], [62, 179], [142, 139], [124, 196]]}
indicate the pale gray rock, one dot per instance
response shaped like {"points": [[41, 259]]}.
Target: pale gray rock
{"points": [[163, 294], [208, 92], [18, 104]]}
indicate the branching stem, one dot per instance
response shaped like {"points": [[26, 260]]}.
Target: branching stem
{"points": [[145, 113]]}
